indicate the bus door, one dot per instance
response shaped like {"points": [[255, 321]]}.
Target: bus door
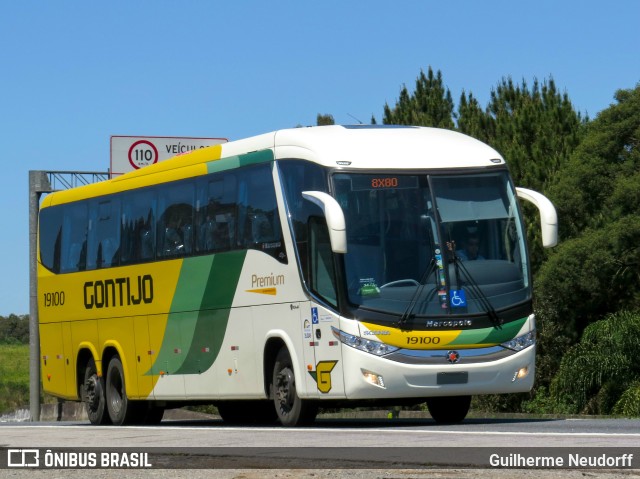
{"points": [[326, 368], [326, 364]]}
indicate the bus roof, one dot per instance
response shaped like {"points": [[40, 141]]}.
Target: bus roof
{"points": [[354, 147], [386, 147]]}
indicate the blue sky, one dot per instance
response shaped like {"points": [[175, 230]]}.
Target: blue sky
{"points": [[73, 73]]}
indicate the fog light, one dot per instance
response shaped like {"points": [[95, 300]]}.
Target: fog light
{"points": [[521, 373], [373, 378]]}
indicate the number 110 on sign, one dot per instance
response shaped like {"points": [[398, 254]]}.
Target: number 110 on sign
{"points": [[143, 153]]}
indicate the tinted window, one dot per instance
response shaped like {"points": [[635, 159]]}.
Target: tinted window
{"points": [[104, 240], [216, 224], [322, 274], [238, 210], [74, 238], [234, 210], [138, 226], [298, 176], [50, 235], [175, 220], [258, 219]]}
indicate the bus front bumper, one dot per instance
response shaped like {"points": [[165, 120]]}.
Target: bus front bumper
{"points": [[367, 376]]}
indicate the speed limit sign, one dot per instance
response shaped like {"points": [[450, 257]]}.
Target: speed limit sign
{"points": [[142, 153], [130, 153]]}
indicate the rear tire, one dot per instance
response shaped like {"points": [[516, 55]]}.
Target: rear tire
{"points": [[92, 394], [121, 409], [291, 410], [449, 409]]}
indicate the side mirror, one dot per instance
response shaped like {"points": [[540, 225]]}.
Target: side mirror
{"points": [[548, 215], [334, 216]]}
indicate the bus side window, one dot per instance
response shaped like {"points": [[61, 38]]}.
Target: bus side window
{"points": [[215, 219], [175, 225], [50, 235], [322, 273], [258, 220], [74, 238], [298, 176], [104, 242], [137, 241]]}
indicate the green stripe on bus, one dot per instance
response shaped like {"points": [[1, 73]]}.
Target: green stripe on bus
{"points": [[199, 313], [492, 335], [214, 312], [231, 162]]}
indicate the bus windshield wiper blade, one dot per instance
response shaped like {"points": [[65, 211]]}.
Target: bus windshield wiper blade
{"points": [[408, 313], [475, 288]]}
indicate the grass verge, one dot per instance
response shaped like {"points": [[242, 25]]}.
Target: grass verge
{"points": [[14, 376]]}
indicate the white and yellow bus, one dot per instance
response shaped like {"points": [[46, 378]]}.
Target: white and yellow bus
{"points": [[314, 267]]}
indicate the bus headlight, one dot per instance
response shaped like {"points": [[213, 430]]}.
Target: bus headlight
{"points": [[366, 345], [521, 342]]}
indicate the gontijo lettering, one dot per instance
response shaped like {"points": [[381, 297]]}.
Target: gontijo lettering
{"points": [[118, 292]]}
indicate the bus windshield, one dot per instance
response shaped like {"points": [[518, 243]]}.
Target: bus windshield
{"points": [[433, 244]]}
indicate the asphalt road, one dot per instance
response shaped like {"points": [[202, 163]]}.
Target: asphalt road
{"points": [[339, 443], [332, 432]]}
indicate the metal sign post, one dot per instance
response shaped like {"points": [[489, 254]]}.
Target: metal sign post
{"points": [[41, 182]]}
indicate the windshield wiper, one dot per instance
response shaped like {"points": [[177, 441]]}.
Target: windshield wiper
{"points": [[408, 313], [475, 288]]}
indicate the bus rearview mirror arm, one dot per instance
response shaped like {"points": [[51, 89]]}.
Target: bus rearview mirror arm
{"points": [[548, 215], [334, 216]]}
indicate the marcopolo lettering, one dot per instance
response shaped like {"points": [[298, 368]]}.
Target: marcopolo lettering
{"points": [[110, 293]]}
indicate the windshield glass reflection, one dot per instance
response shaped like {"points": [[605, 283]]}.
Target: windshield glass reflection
{"points": [[432, 246]]}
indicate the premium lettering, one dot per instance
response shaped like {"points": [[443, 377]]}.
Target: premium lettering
{"points": [[264, 281]]}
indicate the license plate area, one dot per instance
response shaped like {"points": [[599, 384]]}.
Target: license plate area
{"points": [[458, 377]]}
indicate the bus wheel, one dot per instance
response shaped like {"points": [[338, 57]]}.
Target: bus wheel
{"points": [[119, 406], [292, 411], [93, 395], [449, 410]]}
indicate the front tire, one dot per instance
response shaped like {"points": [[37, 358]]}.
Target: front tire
{"points": [[120, 408], [92, 391], [449, 409], [292, 411]]}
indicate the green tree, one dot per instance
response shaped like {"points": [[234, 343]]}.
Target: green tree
{"points": [[536, 129], [326, 119], [473, 120], [599, 183], [430, 104], [596, 376], [595, 271], [14, 329]]}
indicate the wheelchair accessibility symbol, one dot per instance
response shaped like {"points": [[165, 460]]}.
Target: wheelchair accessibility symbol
{"points": [[458, 298]]}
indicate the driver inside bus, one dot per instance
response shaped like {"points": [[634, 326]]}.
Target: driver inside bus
{"points": [[471, 249]]}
